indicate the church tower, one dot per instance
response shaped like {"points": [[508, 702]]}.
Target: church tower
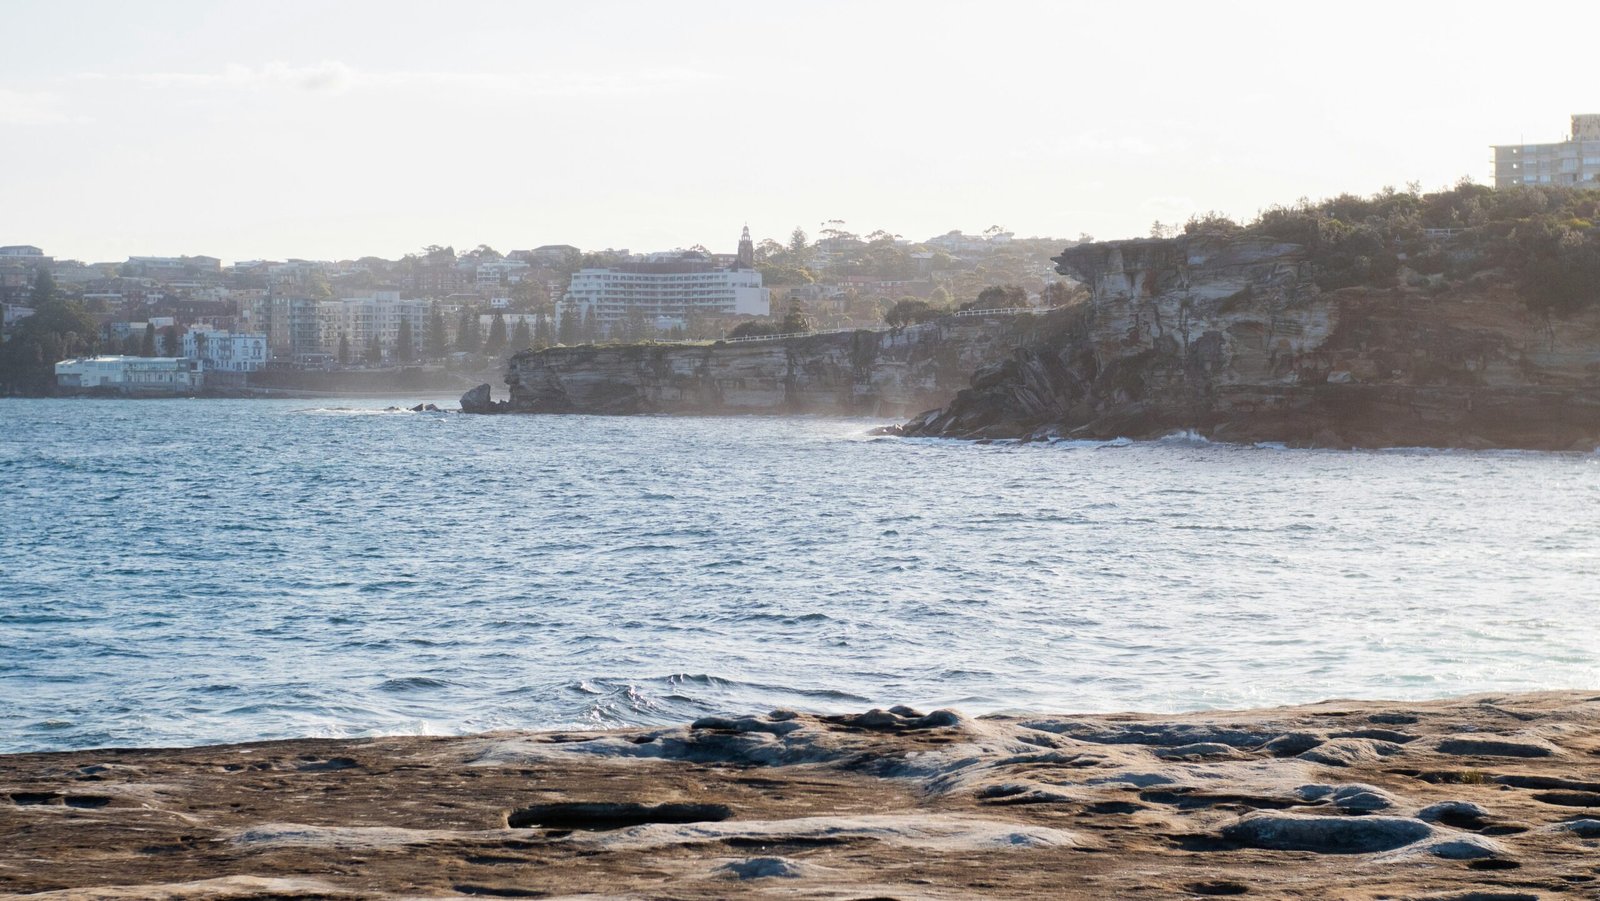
{"points": [[747, 251]]}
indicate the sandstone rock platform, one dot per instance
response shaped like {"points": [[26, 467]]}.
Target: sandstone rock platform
{"points": [[1484, 797]]}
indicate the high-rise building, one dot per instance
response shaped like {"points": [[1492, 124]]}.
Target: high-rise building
{"points": [[1574, 162], [667, 293]]}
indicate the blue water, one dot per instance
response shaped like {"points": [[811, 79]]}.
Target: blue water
{"points": [[184, 572]]}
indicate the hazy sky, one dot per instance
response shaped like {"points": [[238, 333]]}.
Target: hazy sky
{"points": [[332, 130]]}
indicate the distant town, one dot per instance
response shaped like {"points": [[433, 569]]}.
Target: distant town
{"points": [[182, 324], [175, 324]]}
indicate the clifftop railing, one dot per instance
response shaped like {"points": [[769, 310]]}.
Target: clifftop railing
{"points": [[964, 314]]}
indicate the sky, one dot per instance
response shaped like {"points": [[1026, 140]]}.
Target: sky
{"points": [[321, 130]]}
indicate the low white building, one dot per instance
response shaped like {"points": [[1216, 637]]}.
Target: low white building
{"points": [[132, 375], [223, 351]]}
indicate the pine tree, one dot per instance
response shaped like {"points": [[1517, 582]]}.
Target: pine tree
{"points": [[436, 337], [497, 336], [374, 352], [402, 341], [464, 328], [147, 347], [570, 328], [522, 337], [541, 331], [344, 351]]}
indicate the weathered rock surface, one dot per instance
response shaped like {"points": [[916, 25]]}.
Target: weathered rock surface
{"points": [[888, 803], [478, 400], [1230, 339], [876, 373]]}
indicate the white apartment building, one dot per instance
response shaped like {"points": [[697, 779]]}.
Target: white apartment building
{"points": [[493, 273], [223, 351], [134, 375], [666, 293], [1573, 163], [359, 319]]}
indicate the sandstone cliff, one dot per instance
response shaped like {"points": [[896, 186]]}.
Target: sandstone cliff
{"points": [[891, 373], [1230, 338]]}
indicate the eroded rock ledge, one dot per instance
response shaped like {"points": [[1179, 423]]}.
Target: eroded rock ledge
{"points": [[869, 373], [1487, 797], [1230, 338]]}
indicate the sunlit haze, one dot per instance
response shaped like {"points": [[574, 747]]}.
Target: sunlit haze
{"points": [[328, 131]]}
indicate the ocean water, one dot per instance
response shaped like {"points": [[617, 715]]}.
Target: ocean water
{"points": [[186, 572]]}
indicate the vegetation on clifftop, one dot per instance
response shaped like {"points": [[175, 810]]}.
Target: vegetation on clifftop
{"points": [[1543, 237]]}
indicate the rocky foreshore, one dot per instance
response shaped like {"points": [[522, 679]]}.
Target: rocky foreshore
{"points": [[1231, 338], [1484, 798], [888, 373]]}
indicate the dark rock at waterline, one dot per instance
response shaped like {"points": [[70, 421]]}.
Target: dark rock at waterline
{"points": [[478, 401], [1232, 339]]}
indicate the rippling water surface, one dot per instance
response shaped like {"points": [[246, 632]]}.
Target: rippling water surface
{"points": [[183, 572]]}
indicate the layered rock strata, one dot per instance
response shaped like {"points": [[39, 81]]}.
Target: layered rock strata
{"points": [[1231, 339], [874, 373], [1488, 797]]}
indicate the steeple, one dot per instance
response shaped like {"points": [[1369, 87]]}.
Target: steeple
{"points": [[747, 251]]}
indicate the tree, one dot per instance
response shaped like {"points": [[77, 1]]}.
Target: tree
{"points": [[755, 328], [541, 330], [999, 297], [467, 339], [44, 288], [571, 322], [344, 350], [796, 321], [436, 336], [910, 311], [521, 337], [200, 345], [403, 347], [59, 329], [147, 347], [374, 352], [172, 338], [799, 242], [497, 336]]}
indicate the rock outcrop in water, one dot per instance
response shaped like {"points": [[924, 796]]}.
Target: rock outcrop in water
{"points": [[880, 373], [478, 400], [1491, 797], [1231, 339]]}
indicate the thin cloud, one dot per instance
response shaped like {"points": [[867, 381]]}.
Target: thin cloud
{"points": [[32, 108], [337, 77]]}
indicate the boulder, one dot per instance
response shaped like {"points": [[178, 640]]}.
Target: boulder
{"points": [[478, 401], [1279, 831]]}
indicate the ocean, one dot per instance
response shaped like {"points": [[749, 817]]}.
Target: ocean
{"points": [[199, 571]]}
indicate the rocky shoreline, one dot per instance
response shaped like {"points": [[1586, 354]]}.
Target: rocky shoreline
{"points": [[1488, 798], [1231, 339]]}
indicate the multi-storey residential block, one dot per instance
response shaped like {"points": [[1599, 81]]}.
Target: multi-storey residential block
{"points": [[1574, 162], [666, 294], [358, 320], [223, 351]]}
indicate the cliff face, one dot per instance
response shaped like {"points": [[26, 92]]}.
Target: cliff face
{"points": [[1230, 338], [896, 373]]}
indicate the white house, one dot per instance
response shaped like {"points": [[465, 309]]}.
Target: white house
{"points": [[133, 375], [224, 351]]}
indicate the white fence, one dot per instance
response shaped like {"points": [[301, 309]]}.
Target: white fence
{"points": [[1009, 311]]}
